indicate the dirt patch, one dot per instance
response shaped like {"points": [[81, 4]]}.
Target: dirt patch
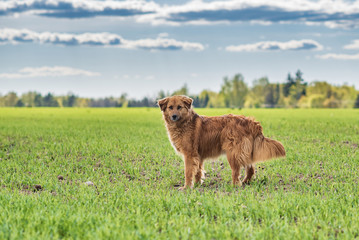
{"points": [[128, 176], [350, 144], [38, 187], [26, 189], [306, 178]]}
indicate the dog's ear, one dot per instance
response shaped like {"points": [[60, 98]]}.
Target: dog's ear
{"points": [[162, 103], [187, 101]]}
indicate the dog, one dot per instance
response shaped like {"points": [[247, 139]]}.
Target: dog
{"points": [[198, 138]]}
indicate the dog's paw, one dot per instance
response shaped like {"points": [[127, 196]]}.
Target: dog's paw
{"points": [[185, 188], [198, 183], [237, 184]]}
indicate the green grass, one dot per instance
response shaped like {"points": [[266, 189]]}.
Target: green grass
{"points": [[311, 194]]}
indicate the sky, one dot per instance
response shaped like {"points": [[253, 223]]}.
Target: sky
{"points": [[106, 48]]}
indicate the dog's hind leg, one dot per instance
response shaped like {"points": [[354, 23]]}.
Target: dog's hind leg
{"points": [[250, 171], [200, 173], [236, 168], [239, 154]]}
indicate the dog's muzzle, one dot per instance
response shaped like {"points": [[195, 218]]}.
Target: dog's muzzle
{"points": [[174, 117]]}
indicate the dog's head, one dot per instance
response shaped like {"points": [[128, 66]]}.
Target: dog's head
{"points": [[176, 108]]}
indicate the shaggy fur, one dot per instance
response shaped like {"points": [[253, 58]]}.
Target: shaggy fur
{"points": [[198, 138]]}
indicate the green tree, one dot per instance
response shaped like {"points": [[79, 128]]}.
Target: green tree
{"points": [[316, 100], [216, 100], [50, 101], [259, 91], [161, 94], [203, 99], [10, 99], [181, 91], [29, 99], [19, 103], [69, 100], [122, 101], [344, 96], [234, 91], [272, 94], [320, 87], [290, 82], [38, 101], [2, 101], [300, 85], [356, 104]]}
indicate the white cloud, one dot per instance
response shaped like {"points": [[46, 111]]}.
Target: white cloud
{"points": [[163, 35], [162, 44], [56, 71], [330, 13], [339, 56], [339, 13], [305, 44], [15, 36], [79, 8], [353, 45]]}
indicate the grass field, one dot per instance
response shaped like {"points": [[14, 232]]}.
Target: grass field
{"points": [[311, 194]]}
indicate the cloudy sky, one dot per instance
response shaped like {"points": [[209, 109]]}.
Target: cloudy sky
{"points": [[104, 48]]}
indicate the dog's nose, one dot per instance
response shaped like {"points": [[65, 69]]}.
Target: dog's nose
{"points": [[174, 117]]}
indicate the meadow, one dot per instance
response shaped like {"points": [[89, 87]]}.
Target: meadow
{"points": [[69, 173]]}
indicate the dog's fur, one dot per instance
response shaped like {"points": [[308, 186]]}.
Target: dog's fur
{"points": [[198, 138]]}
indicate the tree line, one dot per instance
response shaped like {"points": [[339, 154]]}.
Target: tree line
{"points": [[234, 93]]}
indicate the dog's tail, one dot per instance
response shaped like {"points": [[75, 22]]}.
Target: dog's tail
{"points": [[266, 148]]}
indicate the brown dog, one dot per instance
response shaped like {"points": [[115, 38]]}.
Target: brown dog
{"points": [[197, 138]]}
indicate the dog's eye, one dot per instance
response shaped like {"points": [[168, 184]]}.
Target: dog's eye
{"points": [[170, 107], [179, 107]]}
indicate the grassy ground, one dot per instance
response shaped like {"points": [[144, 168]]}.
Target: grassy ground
{"points": [[125, 153]]}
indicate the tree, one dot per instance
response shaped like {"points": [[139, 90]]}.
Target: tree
{"points": [[345, 95], [28, 99], [122, 101], [2, 101], [288, 85], [203, 99], [259, 91], [300, 85], [69, 100], [38, 101], [331, 102], [50, 101], [234, 91], [272, 95], [82, 102], [181, 91], [318, 87], [294, 88], [316, 101], [161, 94], [19, 103], [10, 99], [356, 104]]}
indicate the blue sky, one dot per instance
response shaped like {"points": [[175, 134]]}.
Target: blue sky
{"points": [[106, 48]]}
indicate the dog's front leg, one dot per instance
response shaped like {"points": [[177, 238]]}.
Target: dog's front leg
{"points": [[199, 177], [191, 165]]}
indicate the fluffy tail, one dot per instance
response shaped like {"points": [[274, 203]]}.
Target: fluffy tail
{"points": [[266, 148]]}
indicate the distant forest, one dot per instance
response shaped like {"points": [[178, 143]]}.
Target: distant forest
{"points": [[234, 93]]}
